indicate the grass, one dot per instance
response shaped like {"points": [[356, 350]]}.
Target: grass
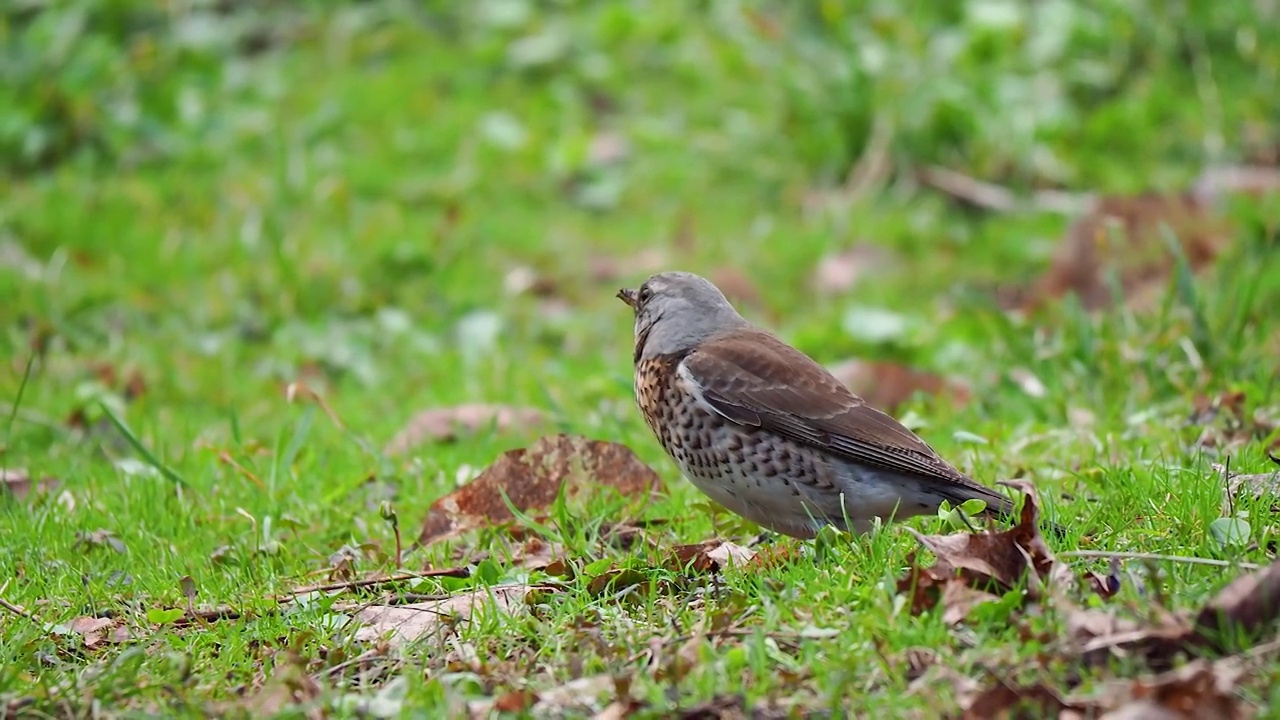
{"points": [[228, 201]]}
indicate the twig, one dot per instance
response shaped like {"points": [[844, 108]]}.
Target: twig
{"points": [[16, 609], [374, 582], [989, 196], [1155, 556]]}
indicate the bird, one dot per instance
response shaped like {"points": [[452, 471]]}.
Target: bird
{"points": [[766, 432]]}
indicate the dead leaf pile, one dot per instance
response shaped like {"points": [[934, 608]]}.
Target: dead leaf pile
{"points": [[532, 478], [975, 568]]}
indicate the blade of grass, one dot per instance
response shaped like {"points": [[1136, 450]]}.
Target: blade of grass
{"points": [[17, 401], [141, 448]]}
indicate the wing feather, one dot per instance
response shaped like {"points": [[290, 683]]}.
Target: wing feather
{"points": [[756, 380]]}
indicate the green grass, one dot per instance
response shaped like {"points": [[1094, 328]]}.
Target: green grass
{"points": [[339, 194]]}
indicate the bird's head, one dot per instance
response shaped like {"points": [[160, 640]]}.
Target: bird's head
{"points": [[677, 311]]}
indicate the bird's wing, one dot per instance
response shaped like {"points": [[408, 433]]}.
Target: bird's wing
{"points": [[755, 379]]}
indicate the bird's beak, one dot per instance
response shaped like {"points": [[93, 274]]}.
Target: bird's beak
{"points": [[628, 297]]}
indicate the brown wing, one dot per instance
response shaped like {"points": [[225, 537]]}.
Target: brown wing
{"points": [[756, 379]]}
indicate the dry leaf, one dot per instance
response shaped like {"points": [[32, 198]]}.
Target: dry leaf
{"points": [[1199, 689], [1226, 425], [887, 386], [446, 424], [400, 624], [532, 478], [1004, 699], [839, 272], [96, 631], [1001, 558], [1126, 235], [1259, 486], [1245, 606], [737, 286], [575, 695], [289, 685], [710, 556], [20, 485]]}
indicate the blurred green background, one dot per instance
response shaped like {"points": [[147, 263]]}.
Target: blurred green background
{"points": [[417, 204]]}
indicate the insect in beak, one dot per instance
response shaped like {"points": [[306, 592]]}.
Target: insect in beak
{"points": [[628, 297]]}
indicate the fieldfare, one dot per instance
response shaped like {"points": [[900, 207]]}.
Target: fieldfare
{"points": [[765, 431]]}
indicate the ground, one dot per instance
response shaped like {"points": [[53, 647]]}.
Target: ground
{"points": [[243, 244]]}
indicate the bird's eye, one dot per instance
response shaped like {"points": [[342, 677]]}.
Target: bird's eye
{"points": [[645, 293]]}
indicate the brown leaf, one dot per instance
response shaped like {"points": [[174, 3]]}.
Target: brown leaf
{"points": [[710, 556], [96, 631], [400, 624], [737, 286], [958, 599], [576, 695], [1225, 424], [1246, 605], [20, 484], [1199, 689], [532, 479], [99, 538], [730, 707], [447, 424], [1242, 608], [1126, 235], [887, 385], [1000, 558], [1259, 486], [839, 272], [289, 685], [1004, 699]]}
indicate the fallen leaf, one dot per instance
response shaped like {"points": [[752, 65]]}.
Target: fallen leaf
{"points": [[1259, 485], [1125, 235], [99, 538], [1200, 689], [839, 272], [96, 631], [999, 559], [19, 484], [1245, 606], [958, 599], [290, 684], [401, 624], [887, 385], [532, 478], [737, 286], [576, 695], [710, 556], [1236, 613], [730, 707], [1224, 423], [1004, 699], [447, 424]]}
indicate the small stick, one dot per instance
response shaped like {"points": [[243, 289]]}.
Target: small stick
{"points": [[1155, 556]]}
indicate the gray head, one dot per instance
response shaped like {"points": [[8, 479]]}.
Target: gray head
{"points": [[676, 312]]}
